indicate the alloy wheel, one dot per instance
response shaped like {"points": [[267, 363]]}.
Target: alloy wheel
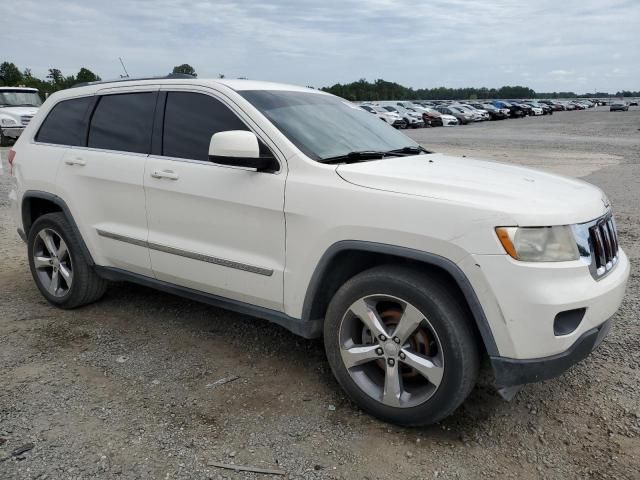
{"points": [[52, 262], [391, 351]]}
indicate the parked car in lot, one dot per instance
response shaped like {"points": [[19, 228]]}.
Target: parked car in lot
{"points": [[462, 116], [556, 106], [546, 109], [493, 112], [479, 115], [618, 107], [18, 105], [392, 118], [414, 267], [411, 119], [445, 120], [515, 111], [535, 109], [436, 118]]}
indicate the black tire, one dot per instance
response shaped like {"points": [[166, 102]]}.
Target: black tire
{"points": [[86, 286], [446, 316]]}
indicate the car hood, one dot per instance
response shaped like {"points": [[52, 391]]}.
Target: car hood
{"points": [[524, 196], [19, 111]]}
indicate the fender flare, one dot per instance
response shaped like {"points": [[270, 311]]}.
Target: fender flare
{"points": [[409, 253], [59, 202]]}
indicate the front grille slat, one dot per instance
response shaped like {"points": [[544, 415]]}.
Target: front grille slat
{"points": [[604, 245], [612, 233], [25, 119]]}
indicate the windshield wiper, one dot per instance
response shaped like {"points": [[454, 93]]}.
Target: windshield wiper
{"points": [[358, 156], [409, 150], [364, 155]]}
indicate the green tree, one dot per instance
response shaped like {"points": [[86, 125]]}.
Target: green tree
{"points": [[186, 69], [86, 75], [55, 75], [10, 75]]}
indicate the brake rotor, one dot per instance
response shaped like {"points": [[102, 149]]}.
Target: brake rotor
{"points": [[419, 341]]}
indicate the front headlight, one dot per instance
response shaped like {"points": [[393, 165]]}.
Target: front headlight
{"points": [[8, 121], [539, 244]]}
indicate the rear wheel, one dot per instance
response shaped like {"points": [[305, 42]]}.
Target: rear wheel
{"points": [[58, 265], [400, 345]]}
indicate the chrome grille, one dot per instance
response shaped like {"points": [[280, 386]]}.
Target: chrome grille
{"points": [[25, 119], [603, 237]]}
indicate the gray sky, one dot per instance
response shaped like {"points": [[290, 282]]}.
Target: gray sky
{"points": [[577, 45]]}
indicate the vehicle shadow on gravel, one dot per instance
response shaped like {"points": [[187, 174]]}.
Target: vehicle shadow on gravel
{"points": [[255, 344]]}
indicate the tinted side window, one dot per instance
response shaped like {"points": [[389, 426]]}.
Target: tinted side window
{"points": [[66, 123], [123, 122], [190, 120]]}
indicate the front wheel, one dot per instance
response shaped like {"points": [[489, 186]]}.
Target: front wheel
{"points": [[401, 346]]}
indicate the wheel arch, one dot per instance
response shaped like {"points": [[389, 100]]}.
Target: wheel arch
{"points": [[36, 203], [347, 258]]}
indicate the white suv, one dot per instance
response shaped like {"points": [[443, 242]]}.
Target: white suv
{"points": [[18, 105], [299, 207]]}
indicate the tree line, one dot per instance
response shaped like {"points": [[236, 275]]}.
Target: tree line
{"points": [[11, 75], [363, 90]]}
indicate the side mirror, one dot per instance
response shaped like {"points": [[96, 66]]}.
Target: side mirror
{"points": [[239, 148]]}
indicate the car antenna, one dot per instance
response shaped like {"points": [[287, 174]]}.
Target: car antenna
{"points": [[126, 74]]}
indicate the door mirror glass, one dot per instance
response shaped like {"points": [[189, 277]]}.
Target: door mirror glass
{"points": [[239, 148]]}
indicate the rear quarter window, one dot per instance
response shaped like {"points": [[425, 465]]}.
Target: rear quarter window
{"points": [[66, 123]]}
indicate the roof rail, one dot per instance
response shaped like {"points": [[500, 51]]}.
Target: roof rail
{"points": [[170, 76]]}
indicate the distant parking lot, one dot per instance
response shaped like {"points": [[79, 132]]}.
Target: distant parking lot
{"points": [[147, 385]]}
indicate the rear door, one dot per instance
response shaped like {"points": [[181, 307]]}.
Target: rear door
{"points": [[101, 180], [213, 228]]}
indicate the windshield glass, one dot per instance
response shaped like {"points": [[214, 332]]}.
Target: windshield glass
{"points": [[19, 98], [325, 126]]}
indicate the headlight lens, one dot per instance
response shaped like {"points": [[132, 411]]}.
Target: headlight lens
{"points": [[539, 244], [8, 121]]}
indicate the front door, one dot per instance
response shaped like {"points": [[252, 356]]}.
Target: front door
{"points": [[212, 228]]}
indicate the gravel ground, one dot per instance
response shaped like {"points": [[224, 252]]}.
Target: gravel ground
{"points": [[125, 388]]}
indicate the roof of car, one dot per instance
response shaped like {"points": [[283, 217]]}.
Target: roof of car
{"points": [[235, 84], [24, 89]]}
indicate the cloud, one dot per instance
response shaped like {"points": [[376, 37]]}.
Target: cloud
{"points": [[562, 73], [421, 44]]}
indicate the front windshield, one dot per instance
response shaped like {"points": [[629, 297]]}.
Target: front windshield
{"points": [[19, 98], [324, 126]]}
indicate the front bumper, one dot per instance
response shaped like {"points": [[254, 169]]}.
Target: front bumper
{"points": [[510, 372], [13, 132], [528, 297]]}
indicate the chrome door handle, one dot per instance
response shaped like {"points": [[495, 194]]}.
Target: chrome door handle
{"points": [[76, 161], [170, 174]]}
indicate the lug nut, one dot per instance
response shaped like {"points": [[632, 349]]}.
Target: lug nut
{"points": [[396, 339], [391, 362], [402, 356], [379, 351], [382, 338]]}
